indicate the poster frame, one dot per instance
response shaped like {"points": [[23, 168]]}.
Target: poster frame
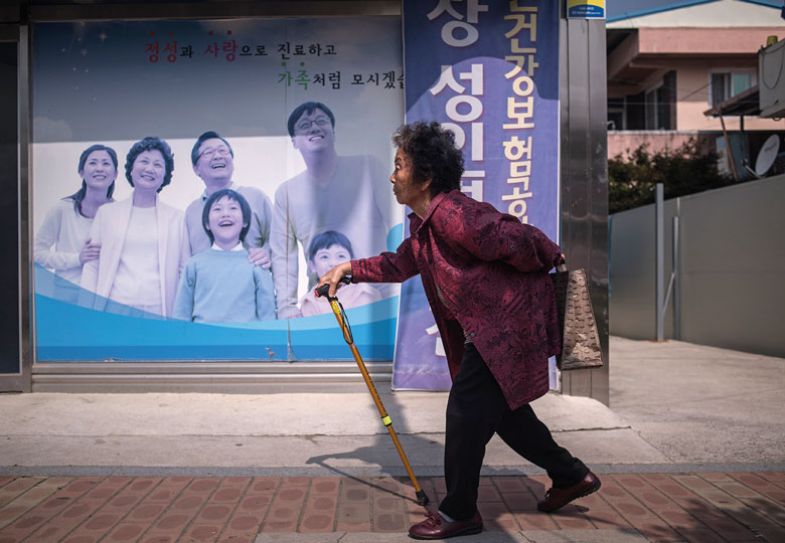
{"points": [[229, 375]]}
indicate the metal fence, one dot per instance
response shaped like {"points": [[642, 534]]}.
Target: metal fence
{"points": [[729, 286]]}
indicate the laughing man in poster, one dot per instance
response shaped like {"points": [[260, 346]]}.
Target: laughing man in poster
{"points": [[213, 161]]}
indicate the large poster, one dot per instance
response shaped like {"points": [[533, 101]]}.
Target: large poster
{"points": [[491, 74], [192, 178]]}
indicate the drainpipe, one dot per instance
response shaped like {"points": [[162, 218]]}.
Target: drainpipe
{"points": [[659, 229]]}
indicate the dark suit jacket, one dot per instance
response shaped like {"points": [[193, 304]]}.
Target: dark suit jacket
{"points": [[486, 275]]}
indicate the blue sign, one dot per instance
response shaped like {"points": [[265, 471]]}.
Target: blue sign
{"points": [[586, 9]]}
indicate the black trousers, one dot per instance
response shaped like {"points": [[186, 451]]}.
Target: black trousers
{"points": [[476, 409]]}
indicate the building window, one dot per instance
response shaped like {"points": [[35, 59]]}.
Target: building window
{"points": [[659, 104], [650, 106], [727, 84], [652, 109], [616, 115]]}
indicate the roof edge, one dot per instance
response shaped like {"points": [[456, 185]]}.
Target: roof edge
{"points": [[774, 4], [767, 3], [652, 11]]}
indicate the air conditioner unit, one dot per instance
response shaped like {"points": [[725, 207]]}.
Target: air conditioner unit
{"points": [[771, 72]]}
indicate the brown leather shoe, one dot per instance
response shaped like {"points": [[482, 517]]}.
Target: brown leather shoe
{"points": [[435, 527], [557, 498]]}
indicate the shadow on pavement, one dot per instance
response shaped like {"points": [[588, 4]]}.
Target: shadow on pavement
{"points": [[495, 518]]}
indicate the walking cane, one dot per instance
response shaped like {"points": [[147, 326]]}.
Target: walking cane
{"points": [[343, 322]]}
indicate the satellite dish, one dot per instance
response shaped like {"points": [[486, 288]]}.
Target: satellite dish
{"points": [[767, 155]]}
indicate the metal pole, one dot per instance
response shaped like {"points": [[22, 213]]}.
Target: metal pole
{"points": [[659, 228], [677, 279], [729, 150]]}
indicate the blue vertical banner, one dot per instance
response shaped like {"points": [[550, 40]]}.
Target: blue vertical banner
{"points": [[491, 75]]}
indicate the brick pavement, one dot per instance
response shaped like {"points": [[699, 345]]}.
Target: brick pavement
{"points": [[694, 507]]}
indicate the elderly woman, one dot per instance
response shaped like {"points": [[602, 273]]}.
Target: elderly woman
{"points": [[486, 278], [143, 241], [62, 243]]}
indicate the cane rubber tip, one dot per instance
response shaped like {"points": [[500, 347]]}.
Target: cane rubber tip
{"points": [[422, 497]]}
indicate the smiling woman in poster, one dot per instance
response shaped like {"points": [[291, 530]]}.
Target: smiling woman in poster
{"points": [[143, 241], [62, 243]]}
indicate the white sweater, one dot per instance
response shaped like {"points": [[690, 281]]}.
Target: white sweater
{"points": [[59, 240]]}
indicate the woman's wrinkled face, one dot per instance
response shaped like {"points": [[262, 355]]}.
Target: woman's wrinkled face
{"points": [[148, 171], [326, 259], [98, 171], [407, 191]]}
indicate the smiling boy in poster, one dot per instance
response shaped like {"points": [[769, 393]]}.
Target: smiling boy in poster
{"points": [[221, 284]]}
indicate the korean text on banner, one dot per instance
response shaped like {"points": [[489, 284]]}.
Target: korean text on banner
{"points": [[491, 76]]}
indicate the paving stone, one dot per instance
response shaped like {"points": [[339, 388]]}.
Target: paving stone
{"points": [[84, 538], [251, 509], [496, 517], [699, 508], [508, 484], [600, 513], [755, 500], [730, 529], [67, 491], [584, 536], [760, 484], [125, 532], [639, 517], [17, 487], [58, 527], [202, 532], [29, 498], [168, 489], [571, 517], [157, 538], [487, 492], [733, 507], [319, 512], [284, 511], [685, 524], [354, 507]]}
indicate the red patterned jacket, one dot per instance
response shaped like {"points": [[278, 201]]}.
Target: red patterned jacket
{"points": [[484, 274]]}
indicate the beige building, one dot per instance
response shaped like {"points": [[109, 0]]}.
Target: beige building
{"points": [[668, 66]]}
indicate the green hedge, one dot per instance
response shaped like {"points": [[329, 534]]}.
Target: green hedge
{"points": [[686, 170]]}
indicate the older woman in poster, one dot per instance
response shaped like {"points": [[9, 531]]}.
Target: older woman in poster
{"points": [[62, 243], [143, 241]]}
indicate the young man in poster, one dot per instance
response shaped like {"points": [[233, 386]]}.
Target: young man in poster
{"points": [[347, 194], [213, 161]]}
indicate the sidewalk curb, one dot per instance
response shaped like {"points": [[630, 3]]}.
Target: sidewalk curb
{"points": [[528, 536], [382, 471]]}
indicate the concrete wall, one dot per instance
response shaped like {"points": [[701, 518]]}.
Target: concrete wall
{"points": [[731, 279], [620, 142], [693, 89]]}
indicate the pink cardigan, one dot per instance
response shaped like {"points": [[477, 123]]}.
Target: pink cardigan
{"points": [[485, 274]]}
